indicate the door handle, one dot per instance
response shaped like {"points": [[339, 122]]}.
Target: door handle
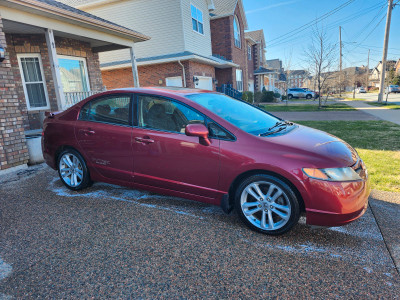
{"points": [[144, 140], [88, 131]]}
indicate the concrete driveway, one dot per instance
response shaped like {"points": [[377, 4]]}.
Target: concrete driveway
{"points": [[109, 241]]}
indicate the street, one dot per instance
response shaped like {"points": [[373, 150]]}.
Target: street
{"points": [[109, 242], [392, 98]]}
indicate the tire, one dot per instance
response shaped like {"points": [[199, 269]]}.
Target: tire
{"points": [[79, 178], [257, 216], [308, 96], [290, 96]]}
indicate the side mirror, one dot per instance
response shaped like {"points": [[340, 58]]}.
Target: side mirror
{"points": [[200, 131]]}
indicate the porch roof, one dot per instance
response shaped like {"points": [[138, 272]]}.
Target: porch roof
{"points": [[68, 20]]}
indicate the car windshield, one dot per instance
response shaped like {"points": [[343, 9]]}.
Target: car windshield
{"points": [[236, 112]]}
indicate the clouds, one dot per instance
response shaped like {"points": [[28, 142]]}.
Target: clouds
{"points": [[271, 6]]}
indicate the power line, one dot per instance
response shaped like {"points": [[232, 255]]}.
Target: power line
{"points": [[296, 31]]}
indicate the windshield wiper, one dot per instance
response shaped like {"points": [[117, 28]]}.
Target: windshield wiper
{"points": [[277, 124]]}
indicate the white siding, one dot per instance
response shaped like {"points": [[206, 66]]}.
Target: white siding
{"points": [[194, 41], [159, 19]]}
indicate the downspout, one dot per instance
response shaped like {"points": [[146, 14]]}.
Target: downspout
{"points": [[183, 73]]}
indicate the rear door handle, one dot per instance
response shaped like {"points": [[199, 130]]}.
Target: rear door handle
{"points": [[144, 140], [88, 131]]}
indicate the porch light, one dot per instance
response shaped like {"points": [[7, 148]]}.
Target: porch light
{"points": [[2, 54], [195, 80]]}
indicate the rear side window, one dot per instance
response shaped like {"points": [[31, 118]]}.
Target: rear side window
{"points": [[113, 109]]}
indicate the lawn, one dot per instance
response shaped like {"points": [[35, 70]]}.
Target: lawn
{"points": [[378, 144], [307, 107], [388, 106]]}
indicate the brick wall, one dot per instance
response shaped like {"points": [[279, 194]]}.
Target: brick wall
{"points": [[154, 75], [13, 149], [223, 43], [18, 43]]}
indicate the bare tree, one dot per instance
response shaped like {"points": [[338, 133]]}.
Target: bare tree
{"points": [[320, 55], [287, 66]]}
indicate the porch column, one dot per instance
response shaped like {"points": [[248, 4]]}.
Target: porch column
{"points": [[134, 67], [55, 68]]}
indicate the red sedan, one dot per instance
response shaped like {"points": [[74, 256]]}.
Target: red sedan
{"points": [[208, 147]]}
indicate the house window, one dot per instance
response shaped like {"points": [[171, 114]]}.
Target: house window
{"points": [[249, 52], [239, 80], [197, 19], [74, 75], [261, 54], [33, 81], [236, 32]]}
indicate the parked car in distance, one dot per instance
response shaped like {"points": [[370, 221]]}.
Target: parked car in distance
{"points": [[208, 147], [300, 93], [361, 90], [393, 89]]}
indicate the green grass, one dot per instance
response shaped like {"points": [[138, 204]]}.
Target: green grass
{"points": [[378, 144], [388, 106], [307, 107]]}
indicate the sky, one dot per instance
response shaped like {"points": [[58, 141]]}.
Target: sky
{"points": [[362, 21]]}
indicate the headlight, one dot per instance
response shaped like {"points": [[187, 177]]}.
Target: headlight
{"points": [[332, 174]]}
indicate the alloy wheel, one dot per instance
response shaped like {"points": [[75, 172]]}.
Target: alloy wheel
{"points": [[71, 170], [265, 205]]}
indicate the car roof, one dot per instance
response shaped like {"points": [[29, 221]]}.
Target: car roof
{"points": [[164, 90]]}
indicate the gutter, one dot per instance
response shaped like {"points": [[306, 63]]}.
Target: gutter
{"points": [[183, 73]]}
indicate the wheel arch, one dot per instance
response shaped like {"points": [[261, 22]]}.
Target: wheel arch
{"points": [[236, 182]]}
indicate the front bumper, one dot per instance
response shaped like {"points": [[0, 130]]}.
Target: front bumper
{"points": [[336, 203]]}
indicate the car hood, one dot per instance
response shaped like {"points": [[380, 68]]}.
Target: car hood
{"points": [[321, 146]]}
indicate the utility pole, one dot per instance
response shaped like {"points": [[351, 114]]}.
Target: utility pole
{"points": [[340, 61], [367, 71], [385, 51]]}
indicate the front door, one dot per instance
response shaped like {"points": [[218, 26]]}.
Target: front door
{"points": [[104, 134], [165, 157]]}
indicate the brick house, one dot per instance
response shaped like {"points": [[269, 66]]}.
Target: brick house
{"points": [[51, 54], [228, 22], [297, 78], [375, 75], [261, 76], [179, 52]]}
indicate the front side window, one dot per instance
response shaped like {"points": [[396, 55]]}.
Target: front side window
{"points": [[249, 52], [113, 109], [162, 114], [239, 80], [74, 75], [236, 112], [236, 32], [197, 19], [35, 90]]}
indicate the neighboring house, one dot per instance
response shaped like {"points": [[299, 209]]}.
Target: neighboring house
{"points": [[297, 78], [228, 22], [180, 52], [262, 77], [398, 67], [51, 50], [375, 75]]}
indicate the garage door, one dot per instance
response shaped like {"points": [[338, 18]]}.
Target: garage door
{"points": [[174, 81], [205, 83]]}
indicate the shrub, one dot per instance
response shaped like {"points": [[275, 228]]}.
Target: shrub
{"points": [[267, 96], [258, 97], [248, 96], [277, 95]]}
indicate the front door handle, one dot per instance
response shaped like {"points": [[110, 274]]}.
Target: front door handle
{"points": [[144, 140]]}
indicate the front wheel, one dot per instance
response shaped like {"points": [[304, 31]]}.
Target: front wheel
{"points": [[267, 204], [72, 170], [308, 97], [290, 96]]}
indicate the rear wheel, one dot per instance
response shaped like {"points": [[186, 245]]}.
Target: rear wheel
{"points": [[290, 96], [267, 204], [308, 96], [72, 170]]}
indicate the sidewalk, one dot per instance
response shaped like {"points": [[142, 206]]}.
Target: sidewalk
{"points": [[391, 115]]}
